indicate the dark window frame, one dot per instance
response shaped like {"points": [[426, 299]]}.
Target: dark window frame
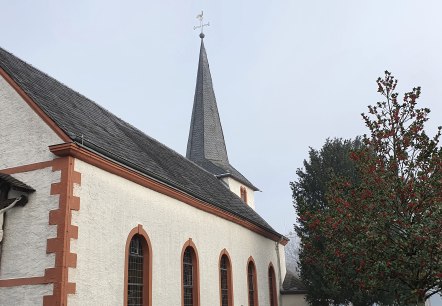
{"points": [[189, 251], [252, 283], [140, 235], [273, 294], [225, 279]]}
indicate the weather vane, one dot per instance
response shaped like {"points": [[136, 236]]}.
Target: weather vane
{"points": [[202, 24]]}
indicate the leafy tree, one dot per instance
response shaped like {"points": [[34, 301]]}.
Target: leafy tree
{"points": [[384, 233], [309, 195]]}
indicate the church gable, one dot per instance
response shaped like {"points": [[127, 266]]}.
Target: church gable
{"points": [[22, 129]]}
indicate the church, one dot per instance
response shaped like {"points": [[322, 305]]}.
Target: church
{"points": [[95, 212]]}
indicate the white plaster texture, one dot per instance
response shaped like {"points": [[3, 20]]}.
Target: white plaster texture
{"points": [[24, 295], [20, 129], [235, 187], [27, 228], [112, 206], [294, 300]]}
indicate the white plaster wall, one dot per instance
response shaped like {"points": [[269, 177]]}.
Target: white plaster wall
{"points": [[111, 207], [24, 295], [20, 129], [24, 139], [235, 187], [294, 300], [27, 229]]}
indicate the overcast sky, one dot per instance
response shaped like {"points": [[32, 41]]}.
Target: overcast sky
{"points": [[287, 74]]}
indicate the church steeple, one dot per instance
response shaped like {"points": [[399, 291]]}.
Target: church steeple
{"points": [[206, 138], [206, 145]]}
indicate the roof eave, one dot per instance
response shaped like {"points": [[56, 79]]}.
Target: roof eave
{"points": [[95, 158]]}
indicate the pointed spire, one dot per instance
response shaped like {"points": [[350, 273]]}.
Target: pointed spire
{"points": [[206, 139], [206, 146]]}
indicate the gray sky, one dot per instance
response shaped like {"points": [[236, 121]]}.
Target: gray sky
{"points": [[287, 74]]}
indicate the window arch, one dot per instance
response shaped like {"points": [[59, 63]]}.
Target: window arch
{"points": [[138, 269], [190, 295], [225, 279], [252, 285], [273, 297]]}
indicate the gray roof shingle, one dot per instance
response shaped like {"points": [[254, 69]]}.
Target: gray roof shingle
{"points": [[77, 115], [14, 183]]}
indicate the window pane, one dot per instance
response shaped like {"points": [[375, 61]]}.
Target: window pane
{"points": [[251, 272], [135, 273], [224, 281], [271, 287], [188, 277]]}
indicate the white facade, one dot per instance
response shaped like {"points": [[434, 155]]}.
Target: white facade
{"points": [[112, 206], [24, 139]]}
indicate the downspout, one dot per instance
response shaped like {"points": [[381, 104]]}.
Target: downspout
{"points": [[4, 190], [279, 269]]}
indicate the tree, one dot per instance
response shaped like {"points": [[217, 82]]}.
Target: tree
{"points": [[384, 232], [309, 195]]}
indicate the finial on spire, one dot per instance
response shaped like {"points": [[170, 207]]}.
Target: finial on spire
{"points": [[200, 17]]}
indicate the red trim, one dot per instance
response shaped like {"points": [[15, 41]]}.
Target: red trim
{"points": [[60, 245], [229, 277], [251, 261], [71, 149], [147, 265], [196, 284], [272, 285], [39, 280], [27, 168], [35, 107]]}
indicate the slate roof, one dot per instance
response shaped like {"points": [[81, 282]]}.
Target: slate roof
{"points": [[14, 183], [292, 284], [117, 140], [206, 145]]}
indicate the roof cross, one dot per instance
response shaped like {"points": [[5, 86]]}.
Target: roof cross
{"points": [[202, 24]]}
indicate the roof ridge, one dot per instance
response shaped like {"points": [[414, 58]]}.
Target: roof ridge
{"points": [[49, 76]]}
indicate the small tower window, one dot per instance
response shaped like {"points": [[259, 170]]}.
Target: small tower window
{"points": [[243, 192]]}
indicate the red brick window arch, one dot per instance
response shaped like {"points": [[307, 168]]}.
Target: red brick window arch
{"points": [[138, 269], [243, 193], [272, 286], [225, 279], [190, 275], [252, 284]]}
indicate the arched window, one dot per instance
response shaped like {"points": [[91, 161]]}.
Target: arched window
{"points": [[225, 279], [243, 192], [190, 275], [272, 287], [138, 274], [252, 283]]}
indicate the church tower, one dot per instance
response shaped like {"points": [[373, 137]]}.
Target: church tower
{"points": [[206, 146]]}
